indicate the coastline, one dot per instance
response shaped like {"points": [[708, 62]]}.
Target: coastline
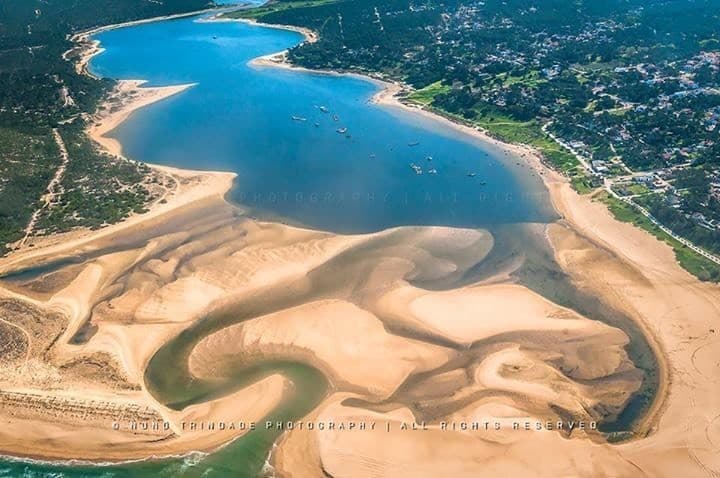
{"points": [[636, 253], [558, 186], [186, 188], [310, 36], [636, 250], [91, 48], [389, 95], [127, 97], [612, 237]]}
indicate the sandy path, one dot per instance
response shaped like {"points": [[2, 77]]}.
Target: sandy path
{"points": [[52, 189]]}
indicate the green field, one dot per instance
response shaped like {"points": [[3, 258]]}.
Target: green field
{"points": [[531, 79], [275, 6], [425, 96]]}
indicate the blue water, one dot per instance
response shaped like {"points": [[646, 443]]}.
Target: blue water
{"points": [[238, 118]]}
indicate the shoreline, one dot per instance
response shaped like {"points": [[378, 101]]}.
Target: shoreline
{"points": [[571, 206], [388, 95], [553, 181], [91, 48], [310, 35], [189, 187], [131, 96], [652, 427]]}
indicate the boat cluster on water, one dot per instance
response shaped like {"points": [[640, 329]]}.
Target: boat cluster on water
{"points": [[418, 169], [344, 131], [324, 109]]}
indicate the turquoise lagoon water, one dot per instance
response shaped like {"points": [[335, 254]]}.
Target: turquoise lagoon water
{"points": [[238, 118]]}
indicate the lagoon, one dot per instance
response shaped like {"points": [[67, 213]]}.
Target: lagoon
{"points": [[239, 118]]}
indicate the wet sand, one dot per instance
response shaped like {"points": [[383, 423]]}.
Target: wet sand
{"points": [[453, 355]]}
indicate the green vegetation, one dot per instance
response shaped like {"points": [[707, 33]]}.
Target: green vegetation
{"points": [[694, 263], [275, 6], [425, 96], [40, 89], [615, 80], [123, 188], [510, 130], [638, 189], [27, 162]]}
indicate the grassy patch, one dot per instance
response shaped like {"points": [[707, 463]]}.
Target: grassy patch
{"points": [[638, 189], [530, 80], [426, 95], [275, 6], [530, 133], [691, 261]]}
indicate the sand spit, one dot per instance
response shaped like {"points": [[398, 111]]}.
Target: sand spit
{"points": [[303, 295], [181, 188], [627, 267], [127, 97], [86, 424], [635, 273], [310, 36], [678, 310], [400, 353], [396, 354]]}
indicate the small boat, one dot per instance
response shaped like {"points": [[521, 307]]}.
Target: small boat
{"points": [[432, 171], [429, 158], [317, 125], [336, 118], [323, 109], [372, 156], [342, 130], [416, 168], [214, 37], [414, 144], [471, 175], [483, 183], [298, 118]]}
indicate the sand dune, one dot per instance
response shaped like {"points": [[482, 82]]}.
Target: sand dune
{"points": [[334, 335], [394, 351], [680, 312], [128, 97], [390, 318], [391, 450], [341, 303]]}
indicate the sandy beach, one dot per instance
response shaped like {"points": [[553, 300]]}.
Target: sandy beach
{"points": [[127, 97], [390, 95], [394, 353], [181, 188], [638, 274]]}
